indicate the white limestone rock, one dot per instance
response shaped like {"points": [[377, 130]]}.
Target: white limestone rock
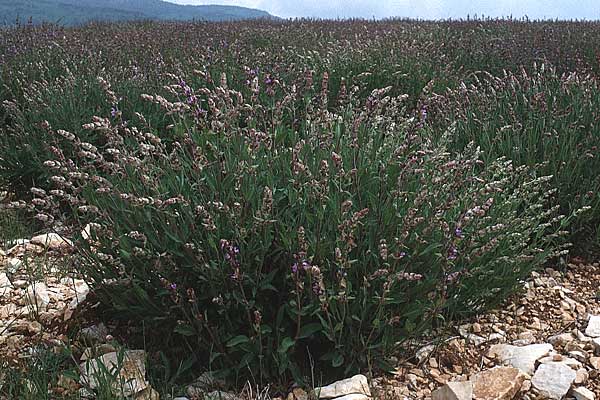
{"points": [[13, 265], [38, 297], [593, 327], [5, 285], [358, 384], [131, 378], [553, 381], [454, 391], [52, 241], [521, 357], [583, 393]]}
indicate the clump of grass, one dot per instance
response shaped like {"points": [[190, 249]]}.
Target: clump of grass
{"points": [[14, 225], [32, 377]]}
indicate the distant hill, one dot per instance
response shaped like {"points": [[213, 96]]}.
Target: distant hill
{"points": [[75, 12]]}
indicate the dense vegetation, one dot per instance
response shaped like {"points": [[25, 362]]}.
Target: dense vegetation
{"points": [[76, 12], [273, 194]]}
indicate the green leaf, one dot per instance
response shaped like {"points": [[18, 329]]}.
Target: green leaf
{"points": [[214, 356], [279, 318], [309, 330], [286, 344], [245, 361], [265, 329], [430, 248], [337, 360], [410, 326], [185, 330], [237, 340]]}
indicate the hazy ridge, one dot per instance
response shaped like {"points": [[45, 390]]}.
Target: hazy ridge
{"points": [[74, 12]]}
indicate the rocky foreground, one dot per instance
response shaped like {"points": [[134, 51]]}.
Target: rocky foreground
{"points": [[543, 344]]}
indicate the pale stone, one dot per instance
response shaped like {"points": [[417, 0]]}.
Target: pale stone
{"points": [[523, 357], [20, 283], [354, 396], [7, 310], [34, 327], [94, 333], [595, 362], [34, 249], [86, 233], [557, 358], [81, 292], [16, 245], [297, 394], [13, 265], [578, 355], [499, 383], [5, 285], [205, 383], [496, 337], [553, 381], [424, 352], [131, 376], [475, 339], [52, 241], [147, 394], [582, 376], [358, 384], [593, 327], [454, 391], [561, 340], [582, 393], [525, 338], [219, 395], [38, 296], [96, 351]]}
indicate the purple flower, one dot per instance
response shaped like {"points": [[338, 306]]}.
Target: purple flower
{"points": [[113, 112], [295, 268], [453, 277], [316, 288], [173, 286], [452, 253], [458, 232]]}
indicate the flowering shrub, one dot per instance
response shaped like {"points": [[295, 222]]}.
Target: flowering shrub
{"points": [[265, 244], [542, 119]]}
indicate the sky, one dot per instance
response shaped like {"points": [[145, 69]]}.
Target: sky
{"points": [[426, 9]]}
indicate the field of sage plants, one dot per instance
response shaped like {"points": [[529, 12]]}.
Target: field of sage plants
{"points": [[268, 197]]}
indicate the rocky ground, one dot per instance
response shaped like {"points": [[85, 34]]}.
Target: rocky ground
{"points": [[548, 338], [543, 344]]}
